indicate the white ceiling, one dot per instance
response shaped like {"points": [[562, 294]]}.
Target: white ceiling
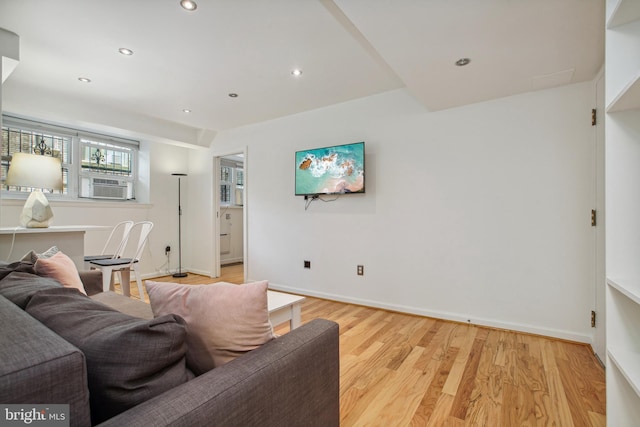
{"points": [[347, 49]]}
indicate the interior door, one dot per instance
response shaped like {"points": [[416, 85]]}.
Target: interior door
{"points": [[599, 344], [219, 210], [216, 217]]}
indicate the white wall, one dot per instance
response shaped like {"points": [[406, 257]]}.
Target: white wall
{"points": [[199, 241], [477, 213]]}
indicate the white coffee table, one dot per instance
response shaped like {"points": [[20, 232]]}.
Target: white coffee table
{"points": [[284, 308]]}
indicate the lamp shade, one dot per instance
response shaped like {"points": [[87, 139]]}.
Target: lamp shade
{"points": [[36, 171]]}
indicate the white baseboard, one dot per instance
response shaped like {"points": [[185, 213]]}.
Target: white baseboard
{"points": [[164, 274], [456, 317]]}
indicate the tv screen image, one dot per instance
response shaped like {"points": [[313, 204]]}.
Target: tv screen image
{"points": [[330, 170]]}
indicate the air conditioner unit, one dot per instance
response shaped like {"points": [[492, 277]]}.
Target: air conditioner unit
{"points": [[105, 188]]}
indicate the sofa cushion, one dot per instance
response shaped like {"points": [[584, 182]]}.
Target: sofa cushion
{"points": [[131, 306], [129, 360], [61, 268], [224, 320], [38, 366], [18, 287], [91, 280]]}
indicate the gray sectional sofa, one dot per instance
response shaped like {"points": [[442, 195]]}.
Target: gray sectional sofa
{"points": [[114, 369]]}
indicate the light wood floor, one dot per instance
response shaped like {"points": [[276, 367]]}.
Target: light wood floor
{"points": [[405, 370]]}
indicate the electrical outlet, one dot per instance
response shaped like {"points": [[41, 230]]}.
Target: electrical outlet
{"points": [[307, 264], [360, 270]]}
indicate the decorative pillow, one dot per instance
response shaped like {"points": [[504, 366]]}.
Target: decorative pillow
{"points": [[18, 287], [224, 320], [61, 268], [32, 256], [129, 360], [7, 269]]}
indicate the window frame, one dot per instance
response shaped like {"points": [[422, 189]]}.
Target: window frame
{"points": [[235, 168], [85, 140], [74, 167]]}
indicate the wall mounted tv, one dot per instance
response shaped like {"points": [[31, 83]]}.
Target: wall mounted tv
{"points": [[330, 170]]}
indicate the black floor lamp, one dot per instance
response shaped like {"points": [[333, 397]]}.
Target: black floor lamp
{"points": [[179, 273]]}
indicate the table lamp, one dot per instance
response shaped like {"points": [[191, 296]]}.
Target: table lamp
{"points": [[37, 172]]}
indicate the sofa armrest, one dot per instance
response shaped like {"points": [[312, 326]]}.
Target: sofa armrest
{"points": [[290, 381], [39, 367], [92, 281]]}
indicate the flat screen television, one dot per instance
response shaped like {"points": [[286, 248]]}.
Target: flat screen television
{"points": [[330, 170]]}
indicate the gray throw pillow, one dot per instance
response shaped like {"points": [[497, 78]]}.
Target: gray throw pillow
{"points": [[129, 360], [32, 256], [21, 284], [7, 269]]}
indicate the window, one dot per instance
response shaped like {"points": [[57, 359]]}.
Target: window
{"points": [[93, 166], [22, 140], [239, 178], [226, 176], [231, 182], [102, 158], [107, 169]]}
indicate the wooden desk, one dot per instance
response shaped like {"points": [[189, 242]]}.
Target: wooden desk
{"points": [[15, 242]]}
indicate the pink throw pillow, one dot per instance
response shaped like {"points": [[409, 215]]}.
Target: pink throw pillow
{"points": [[61, 268], [223, 320]]}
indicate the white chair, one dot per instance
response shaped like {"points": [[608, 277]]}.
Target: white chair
{"points": [[111, 250], [124, 265]]}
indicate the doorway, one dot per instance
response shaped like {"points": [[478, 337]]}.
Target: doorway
{"points": [[229, 195]]}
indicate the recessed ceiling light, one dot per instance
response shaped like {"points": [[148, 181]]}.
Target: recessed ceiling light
{"points": [[186, 110], [296, 72], [188, 4], [462, 62], [233, 95], [84, 80], [125, 51]]}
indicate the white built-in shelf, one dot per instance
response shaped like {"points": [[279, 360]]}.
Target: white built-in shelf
{"points": [[628, 363], [629, 97], [622, 63], [629, 288], [623, 12]]}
